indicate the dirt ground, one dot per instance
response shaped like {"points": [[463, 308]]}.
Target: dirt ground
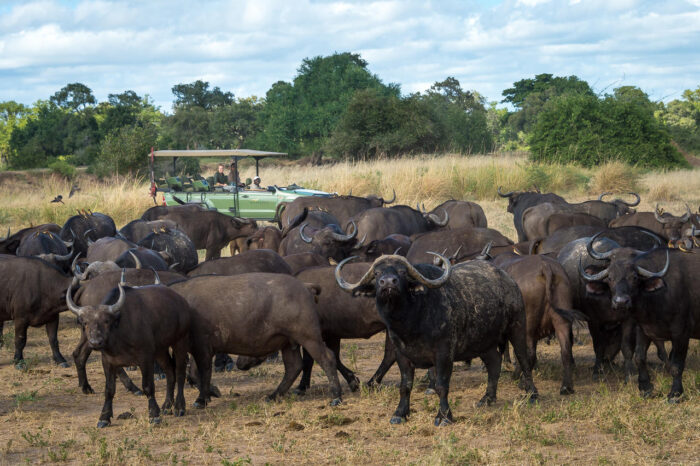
{"points": [[45, 418]]}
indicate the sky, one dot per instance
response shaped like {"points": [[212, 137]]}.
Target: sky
{"points": [[246, 46]]}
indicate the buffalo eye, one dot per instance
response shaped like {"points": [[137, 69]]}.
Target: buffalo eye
{"points": [[596, 288], [653, 284]]}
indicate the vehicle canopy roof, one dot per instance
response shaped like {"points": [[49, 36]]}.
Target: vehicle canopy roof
{"points": [[218, 153]]}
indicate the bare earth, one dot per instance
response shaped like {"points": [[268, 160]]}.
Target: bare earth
{"points": [[45, 417]]}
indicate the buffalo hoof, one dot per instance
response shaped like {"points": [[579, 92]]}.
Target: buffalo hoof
{"points": [[270, 398], [166, 411], [159, 376], [63, 364], [566, 390], [430, 391], [180, 412], [646, 390], [354, 384], [229, 366], [674, 399], [21, 365], [442, 421], [137, 392], [299, 391], [155, 420], [199, 404], [214, 391], [336, 402], [102, 424], [532, 398], [87, 389], [397, 420], [485, 401]]}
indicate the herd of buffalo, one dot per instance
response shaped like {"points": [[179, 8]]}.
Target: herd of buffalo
{"points": [[443, 285]]}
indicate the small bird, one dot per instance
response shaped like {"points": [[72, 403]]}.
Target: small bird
{"points": [[58, 198], [73, 190]]}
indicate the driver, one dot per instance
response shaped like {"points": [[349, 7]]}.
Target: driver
{"points": [[219, 178], [256, 184]]}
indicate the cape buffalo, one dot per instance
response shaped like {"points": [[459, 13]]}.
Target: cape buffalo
{"points": [[175, 247], [11, 242], [107, 249], [87, 226], [139, 328], [228, 316], [342, 207], [519, 201], [47, 246], [138, 229], [265, 238], [329, 241], [676, 230], [468, 311], [304, 260], [380, 222], [548, 306], [462, 214], [453, 241], [658, 288], [32, 293], [258, 260]]}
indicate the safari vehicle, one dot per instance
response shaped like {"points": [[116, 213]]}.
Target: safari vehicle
{"points": [[235, 200]]}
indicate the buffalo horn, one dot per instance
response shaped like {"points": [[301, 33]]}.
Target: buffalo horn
{"points": [[591, 278], [75, 269], [687, 214], [114, 308], [172, 266], [360, 243], [632, 204], [339, 237], [593, 253], [606, 193], [392, 199], [68, 244], [136, 260], [506, 194], [441, 223], [156, 278], [648, 274], [397, 250], [305, 238], [77, 310], [122, 278]]}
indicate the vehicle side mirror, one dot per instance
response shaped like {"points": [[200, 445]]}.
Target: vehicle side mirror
{"points": [[271, 189]]}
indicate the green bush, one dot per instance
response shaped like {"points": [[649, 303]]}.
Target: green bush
{"points": [[61, 167], [125, 150], [587, 130]]}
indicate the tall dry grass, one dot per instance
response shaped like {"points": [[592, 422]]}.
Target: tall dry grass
{"points": [[425, 179]]}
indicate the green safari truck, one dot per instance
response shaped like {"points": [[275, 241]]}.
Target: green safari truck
{"points": [[235, 199]]}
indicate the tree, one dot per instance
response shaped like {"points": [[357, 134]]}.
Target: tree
{"points": [[124, 150], [682, 118], [197, 94], [12, 115], [584, 129], [299, 117], [74, 97]]}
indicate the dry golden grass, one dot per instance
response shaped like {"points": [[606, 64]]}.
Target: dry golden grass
{"points": [[46, 419]]}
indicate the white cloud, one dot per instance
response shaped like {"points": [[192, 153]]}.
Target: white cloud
{"points": [[245, 46]]}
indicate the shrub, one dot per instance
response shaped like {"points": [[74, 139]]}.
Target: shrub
{"points": [[125, 150], [60, 166]]}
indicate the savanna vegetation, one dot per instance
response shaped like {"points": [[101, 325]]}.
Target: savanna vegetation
{"points": [[49, 420], [337, 109]]}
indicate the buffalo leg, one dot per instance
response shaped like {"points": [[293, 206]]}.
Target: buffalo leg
{"points": [[223, 362], [628, 343], [2, 325], [387, 361], [325, 358], [349, 376], [307, 367], [640, 357], [407, 370], [492, 361], [203, 361], [518, 340], [661, 353], [52, 334], [149, 389], [562, 330], [180, 358], [80, 356], [166, 362], [679, 352], [20, 342], [292, 368], [443, 373], [110, 387]]}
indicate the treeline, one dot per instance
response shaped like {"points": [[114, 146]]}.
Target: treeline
{"points": [[335, 107]]}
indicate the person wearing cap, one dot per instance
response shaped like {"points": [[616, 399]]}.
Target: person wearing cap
{"points": [[256, 184]]}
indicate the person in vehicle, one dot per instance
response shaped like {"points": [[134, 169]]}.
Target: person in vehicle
{"points": [[234, 174], [219, 178], [256, 184]]}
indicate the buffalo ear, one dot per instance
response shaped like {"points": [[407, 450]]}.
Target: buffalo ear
{"points": [[653, 284], [367, 291], [596, 288]]}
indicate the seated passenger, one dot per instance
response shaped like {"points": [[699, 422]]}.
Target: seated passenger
{"points": [[256, 184], [219, 178]]}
